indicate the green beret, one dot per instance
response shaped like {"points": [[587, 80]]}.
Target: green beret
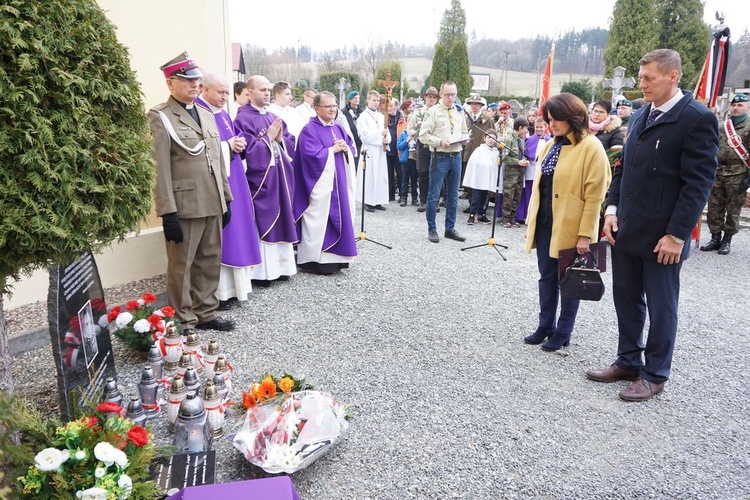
{"points": [[351, 95], [740, 98]]}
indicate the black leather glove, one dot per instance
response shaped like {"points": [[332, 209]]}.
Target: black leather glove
{"points": [[226, 217], [172, 229]]}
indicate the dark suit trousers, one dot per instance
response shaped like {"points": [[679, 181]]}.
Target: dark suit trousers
{"points": [[193, 270], [641, 285]]}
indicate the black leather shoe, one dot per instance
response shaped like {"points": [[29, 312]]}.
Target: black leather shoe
{"points": [[218, 323], [433, 237], [261, 283], [421, 208], [380, 207], [453, 235], [369, 208], [224, 305]]}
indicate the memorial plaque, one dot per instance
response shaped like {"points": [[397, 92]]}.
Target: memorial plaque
{"points": [[81, 343], [177, 472]]}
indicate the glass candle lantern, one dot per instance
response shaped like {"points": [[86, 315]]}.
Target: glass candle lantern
{"points": [[192, 433]]}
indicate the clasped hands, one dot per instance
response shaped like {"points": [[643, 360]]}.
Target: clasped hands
{"points": [[275, 130], [667, 250], [340, 145]]}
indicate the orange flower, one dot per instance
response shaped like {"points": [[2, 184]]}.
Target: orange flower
{"points": [[286, 384], [248, 400], [268, 387], [255, 388]]}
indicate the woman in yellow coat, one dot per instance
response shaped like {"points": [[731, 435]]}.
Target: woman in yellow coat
{"points": [[569, 188]]}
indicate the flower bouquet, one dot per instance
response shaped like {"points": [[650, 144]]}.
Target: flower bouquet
{"points": [[288, 425], [91, 458], [140, 324]]}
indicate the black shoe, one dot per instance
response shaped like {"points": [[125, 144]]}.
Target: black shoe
{"points": [[283, 277], [433, 237], [453, 235], [369, 208], [442, 202], [414, 202], [261, 283], [556, 341], [421, 208], [437, 210], [726, 245], [467, 210], [463, 196], [539, 335], [218, 323], [224, 305], [380, 207], [484, 219], [471, 220]]}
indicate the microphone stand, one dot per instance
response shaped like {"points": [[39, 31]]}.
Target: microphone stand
{"points": [[491, 242], [362, 234]]}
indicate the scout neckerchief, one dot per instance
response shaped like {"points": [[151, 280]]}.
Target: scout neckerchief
{"points": [[735, 142]]}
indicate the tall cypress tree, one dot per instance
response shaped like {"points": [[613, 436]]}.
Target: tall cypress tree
{"points": [[633, 32], [459, 70], [683, 30], [75, 150], [439, 71]]}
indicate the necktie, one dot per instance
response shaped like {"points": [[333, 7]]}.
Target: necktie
{"points": [[652, 116], [550, 161]]}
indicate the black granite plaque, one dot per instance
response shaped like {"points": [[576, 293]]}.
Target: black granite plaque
{"points": [[81, 343], [186, 469]]}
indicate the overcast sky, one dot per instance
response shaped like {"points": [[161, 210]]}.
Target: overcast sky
{"points": [[328, 24]]}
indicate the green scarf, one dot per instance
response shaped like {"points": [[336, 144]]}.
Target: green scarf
{"points": [[736, 120]]}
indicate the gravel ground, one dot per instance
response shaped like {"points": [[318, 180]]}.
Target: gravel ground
{"points": [[425, 341]]}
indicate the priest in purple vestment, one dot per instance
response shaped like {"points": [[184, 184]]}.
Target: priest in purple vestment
{"points": [[270, 175], [240, 250], [324, 180]]}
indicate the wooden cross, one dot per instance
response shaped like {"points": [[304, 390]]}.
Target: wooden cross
{"points": [[388, 84]]}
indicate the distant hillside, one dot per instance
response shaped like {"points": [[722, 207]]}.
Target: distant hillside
{"points": [[415, 69]]}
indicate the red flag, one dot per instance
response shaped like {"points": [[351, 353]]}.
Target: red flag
{"points": [[711, 83], [547, 77]]}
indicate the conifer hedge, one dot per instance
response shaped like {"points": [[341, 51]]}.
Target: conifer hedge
{"points": [[75, 150]]}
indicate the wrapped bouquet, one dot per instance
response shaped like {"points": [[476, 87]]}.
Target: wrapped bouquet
{"points": [[141, 323], [288, 425]]}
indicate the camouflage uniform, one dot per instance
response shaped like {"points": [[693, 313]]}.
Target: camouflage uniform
{"points": [[725, 199], [514, 176]]}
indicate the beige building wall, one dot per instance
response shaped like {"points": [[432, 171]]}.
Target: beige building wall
{"points": [[154, 31]]}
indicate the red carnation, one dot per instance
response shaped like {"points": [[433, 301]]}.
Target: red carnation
{"points": [[168, 311], [149, 298], [138, 435], [113, 314], [108, 407], [98, 304], [91, 421], [154, 320], [132, 305]]}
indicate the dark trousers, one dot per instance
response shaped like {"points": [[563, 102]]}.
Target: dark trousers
{"points": [[409, 179], [478, 200], [423, 172], [394, 176], [641, 285], [549, 288]]}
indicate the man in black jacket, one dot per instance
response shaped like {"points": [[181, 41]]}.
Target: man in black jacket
{"points": [[352, 111]]}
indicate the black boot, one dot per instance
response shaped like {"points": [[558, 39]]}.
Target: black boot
{"points": [[726, 246], [556, 341], [402, 201], [539, 335], [714, 244]]}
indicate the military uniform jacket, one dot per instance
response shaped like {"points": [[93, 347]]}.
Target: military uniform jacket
{"points": [[729, 161], [476, 138], [668, 169], [193, 186]]}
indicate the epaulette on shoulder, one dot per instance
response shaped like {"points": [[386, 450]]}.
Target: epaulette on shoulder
{"points": [[159, 107]]}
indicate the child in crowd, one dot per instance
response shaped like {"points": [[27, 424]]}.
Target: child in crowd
{"points": [[515, 171], [534, 144], [482, 176]]}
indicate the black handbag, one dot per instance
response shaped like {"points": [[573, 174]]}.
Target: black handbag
{"points": [[580, 282]]}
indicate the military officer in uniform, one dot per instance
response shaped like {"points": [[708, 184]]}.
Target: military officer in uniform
{"points": [[725, 202], [192, 196]]}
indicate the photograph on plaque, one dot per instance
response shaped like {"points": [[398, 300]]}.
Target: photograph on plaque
{"points": [[89, 333]]}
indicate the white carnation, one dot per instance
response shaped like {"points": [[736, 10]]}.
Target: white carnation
{"points": [[123, 319], [103, 322], [92, 494], [126, 484], [105, 453], [79, 455], [51, 459], [100, 472], [142, 326]]}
